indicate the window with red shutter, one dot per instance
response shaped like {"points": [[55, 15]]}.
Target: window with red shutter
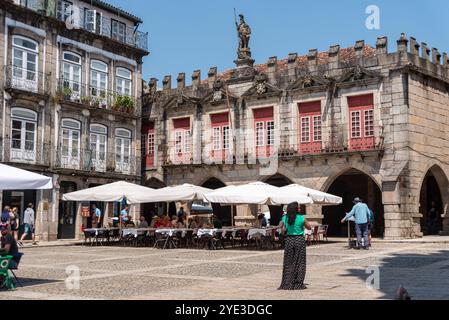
{"points": [[220, 136], [182, 142], [148, 144], [310, 127], [264, 132], [361, 122]]}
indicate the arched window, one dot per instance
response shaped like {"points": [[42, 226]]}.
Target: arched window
{"points": [[23, 134], [123, 81], [98, 78], [70, 143], [122, 150], [98, 146], [71, 68], [25, 63]]}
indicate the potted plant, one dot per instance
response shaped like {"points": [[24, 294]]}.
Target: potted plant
{"points": [[67, 93]]}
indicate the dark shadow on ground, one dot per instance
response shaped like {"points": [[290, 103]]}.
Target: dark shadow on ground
{"points": [[423, 276], [30, 282]]}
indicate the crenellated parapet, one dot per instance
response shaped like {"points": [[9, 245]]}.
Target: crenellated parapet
{"points": [[334, 65]]}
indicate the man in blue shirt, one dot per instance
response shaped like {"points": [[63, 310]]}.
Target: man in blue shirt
{"points": [[124, 214], [96, 216], [361, 214]]}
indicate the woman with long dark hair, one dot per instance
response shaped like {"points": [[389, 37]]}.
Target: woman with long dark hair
{"points": [[294, 272]]}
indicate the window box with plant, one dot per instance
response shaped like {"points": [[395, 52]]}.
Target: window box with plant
{"points": [[124, 103]]}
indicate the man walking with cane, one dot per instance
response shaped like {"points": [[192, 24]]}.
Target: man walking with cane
{"points": [[360, 212]]}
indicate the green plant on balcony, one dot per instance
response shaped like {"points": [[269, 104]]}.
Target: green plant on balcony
{"points": [[86, 100], [67, 93], [124, 103]]}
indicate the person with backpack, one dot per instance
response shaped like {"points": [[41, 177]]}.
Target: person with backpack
{"points": [[294, 224]]}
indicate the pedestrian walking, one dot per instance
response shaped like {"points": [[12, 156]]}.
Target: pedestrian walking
{"points": [[294, 270], [370, 226], [360, 212], [28, 221], [14, 222]]}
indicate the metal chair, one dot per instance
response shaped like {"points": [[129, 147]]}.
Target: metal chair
{"points": [[16, 259], [5, 277]]}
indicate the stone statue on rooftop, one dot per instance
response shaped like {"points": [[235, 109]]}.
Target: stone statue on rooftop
{"points": [[244, 32]]}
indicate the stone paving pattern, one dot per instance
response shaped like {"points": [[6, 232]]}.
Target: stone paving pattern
{"points": [[334, 272]]}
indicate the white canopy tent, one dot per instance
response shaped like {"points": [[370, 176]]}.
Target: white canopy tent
{"points": [[12, 178], [290, 193], [252, 193], [112, 192], [184, 192]]}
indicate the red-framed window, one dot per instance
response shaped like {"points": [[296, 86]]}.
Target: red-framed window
{"points": [[221, 136], [310, 127], [148, 144], [264, 131], [361, 122], [183, 141]]}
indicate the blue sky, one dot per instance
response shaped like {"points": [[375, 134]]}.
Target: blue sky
{"points": [[186, 35]]}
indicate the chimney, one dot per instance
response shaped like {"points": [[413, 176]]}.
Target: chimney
{"points": [[166, 83], [196, 78], [212, 76], [425, 51], [334, 56], [181, 81], [382, 45], [292, 58], [402, 43], [312, 60], [414, 46], [153, 86], [359, 46], [436, 56], [272, 68]]}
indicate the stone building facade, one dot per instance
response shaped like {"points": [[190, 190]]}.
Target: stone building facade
{"points": [[70, 94], [358, 121]]}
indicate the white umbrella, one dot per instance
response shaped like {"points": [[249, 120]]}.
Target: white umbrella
{"points": [[12, 178], [251, 193], [290, 193], [113, 192], [185, 192]]}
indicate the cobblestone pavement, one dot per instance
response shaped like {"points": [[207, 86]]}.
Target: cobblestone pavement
{"points": [[333, 272]]}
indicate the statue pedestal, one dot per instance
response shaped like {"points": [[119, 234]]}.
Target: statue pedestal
{"points": [[242, 63]]}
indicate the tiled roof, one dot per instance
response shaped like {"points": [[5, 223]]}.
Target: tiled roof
{"points": [[346, 54], [113, 9]]}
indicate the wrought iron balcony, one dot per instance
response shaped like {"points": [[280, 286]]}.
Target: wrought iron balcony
{"points": [[26, 153], [80, 19], [95, 97], [26, 80], [89, 160]]}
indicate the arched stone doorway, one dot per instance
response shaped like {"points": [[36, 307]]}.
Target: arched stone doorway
{"points": [[224, 213], [354, 183], [433, 200], [276, 212]]}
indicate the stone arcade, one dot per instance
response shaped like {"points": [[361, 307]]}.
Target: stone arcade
{"points": [[358, 121]]}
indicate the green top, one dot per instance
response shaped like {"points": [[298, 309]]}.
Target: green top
{"points": [[297, 229]]}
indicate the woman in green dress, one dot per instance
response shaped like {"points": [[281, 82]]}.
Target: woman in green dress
{"points": [[294, 223]]}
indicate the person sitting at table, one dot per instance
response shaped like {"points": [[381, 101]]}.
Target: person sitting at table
{"points": [[216, 222], [130, 223], [195, 223], [143, 222], [261, 221], [166, 223], [155, 222], [174, 221], [9, 245], [180, 224]]}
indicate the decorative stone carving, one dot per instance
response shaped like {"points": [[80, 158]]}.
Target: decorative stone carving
{"points": [[261, 83]]}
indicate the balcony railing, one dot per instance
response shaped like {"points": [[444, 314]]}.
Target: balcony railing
{"points": [[95, 97], [88, 160], [35, 154], [26, 80], [79, 19]]}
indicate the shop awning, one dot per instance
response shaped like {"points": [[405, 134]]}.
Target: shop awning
{"points": [[112, 192], [12, 178]]}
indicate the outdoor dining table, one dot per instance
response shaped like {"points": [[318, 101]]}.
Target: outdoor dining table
{"points": [[99, 233], [136, 231]]}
